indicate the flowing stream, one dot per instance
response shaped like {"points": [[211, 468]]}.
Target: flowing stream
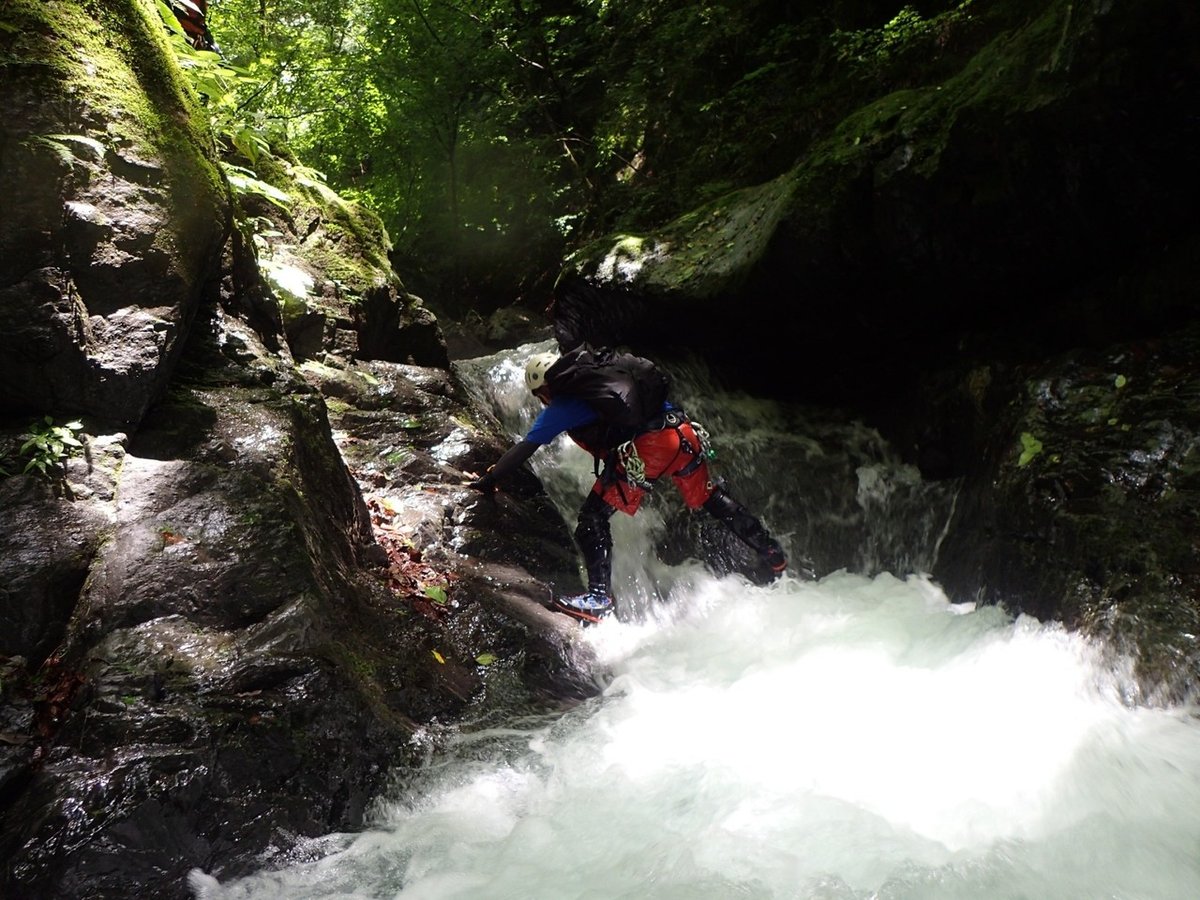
{"points": [[855, 737]]}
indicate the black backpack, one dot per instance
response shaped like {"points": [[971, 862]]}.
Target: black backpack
{"points": [[626, 391]]}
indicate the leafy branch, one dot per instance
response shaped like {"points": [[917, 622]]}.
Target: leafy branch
{"points": [[218, 84], [907, 29], [245, 182]]}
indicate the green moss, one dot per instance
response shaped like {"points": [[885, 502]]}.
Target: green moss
{"points": [[356, 274], [366, 670], [353, 246], [1015, 71], [702, 252], [345, 242], [114, 50], [109, 71], [36, 39], [870, 126], [363, 225]]}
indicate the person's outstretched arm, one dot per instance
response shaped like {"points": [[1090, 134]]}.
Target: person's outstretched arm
{"points": [[562, 414], [505, 465]]}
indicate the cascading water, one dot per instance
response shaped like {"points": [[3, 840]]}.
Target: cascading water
{"points": [[855, 737]]}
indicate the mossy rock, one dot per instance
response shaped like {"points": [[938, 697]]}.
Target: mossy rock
{"points": [[325, 260], [974, 203], [115, 208]]}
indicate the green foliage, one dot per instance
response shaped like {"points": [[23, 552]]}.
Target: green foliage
{"points": [[1030, 448], [906, 32], [249, 142], [246, 183], [492, 135], [219, 84], [48, 446]]}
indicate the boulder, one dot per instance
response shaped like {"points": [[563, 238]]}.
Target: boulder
{"points": [[995, 204], [1079, 500], [115, 211], [227, 620], [251, 633], [322, 261]]}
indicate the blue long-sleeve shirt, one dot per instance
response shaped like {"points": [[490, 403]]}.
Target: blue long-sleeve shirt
{"points": [[562, 414]]}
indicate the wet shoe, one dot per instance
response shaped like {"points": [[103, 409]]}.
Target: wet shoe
{"points": [[775, 559], [591, 607]]}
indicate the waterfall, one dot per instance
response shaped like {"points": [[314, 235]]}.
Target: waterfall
{"points": [[859, 736], [829, 487]]}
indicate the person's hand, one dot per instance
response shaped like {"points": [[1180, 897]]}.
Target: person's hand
{"points": [[485, 484]]}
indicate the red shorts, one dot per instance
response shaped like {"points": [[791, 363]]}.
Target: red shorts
{"points": [[663, 453]]}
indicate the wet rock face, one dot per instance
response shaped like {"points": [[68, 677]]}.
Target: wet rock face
{"points": [[218, 637], [46, 548], [1082, 502], [159, 777], [236, 661], [114, 215], [206, 654], [201, 704], [1001, 204]]}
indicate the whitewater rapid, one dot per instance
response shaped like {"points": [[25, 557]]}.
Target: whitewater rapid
{"points": [[855, 737], [851, 738]]}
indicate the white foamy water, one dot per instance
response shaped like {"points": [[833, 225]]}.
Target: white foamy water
{"points": [[852, 738], [857, 737]]}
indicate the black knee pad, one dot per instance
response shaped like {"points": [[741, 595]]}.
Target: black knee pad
{"points": [[740, 521]]}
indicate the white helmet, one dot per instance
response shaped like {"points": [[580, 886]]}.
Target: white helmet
{"points": [[535, 370]]}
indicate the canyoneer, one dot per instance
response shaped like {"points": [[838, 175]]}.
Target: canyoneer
{"points": [[615, 406]]}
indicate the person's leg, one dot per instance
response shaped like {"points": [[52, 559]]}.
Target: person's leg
{"points": [[746, 527], [691, 477], [594, 536]]}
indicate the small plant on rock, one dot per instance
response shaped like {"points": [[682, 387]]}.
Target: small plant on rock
{"points": [[48, 446]]}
